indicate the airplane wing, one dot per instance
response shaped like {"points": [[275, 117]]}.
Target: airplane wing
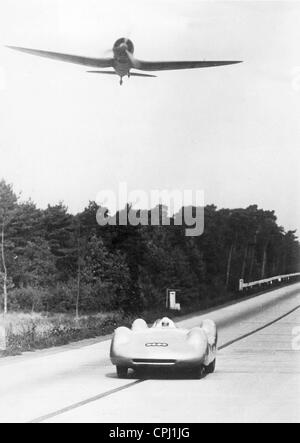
{"points": [[165, 66], [132, 74], [77, 59]]}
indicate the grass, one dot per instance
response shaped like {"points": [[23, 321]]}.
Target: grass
{"points": [[28, 332]]}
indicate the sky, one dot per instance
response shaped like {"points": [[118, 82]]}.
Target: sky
{"points": [[233, 131]]}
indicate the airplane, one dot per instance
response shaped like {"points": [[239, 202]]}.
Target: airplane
{"points": [[123, 61]]}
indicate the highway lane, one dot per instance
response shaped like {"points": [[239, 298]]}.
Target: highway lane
{"points": [[257, 381], [257, 378]]}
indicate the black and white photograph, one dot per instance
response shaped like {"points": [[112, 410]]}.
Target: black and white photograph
{"points": [[149, 214]]}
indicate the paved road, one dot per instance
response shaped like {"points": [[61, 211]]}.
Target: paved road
{"points": [[257, 377]]}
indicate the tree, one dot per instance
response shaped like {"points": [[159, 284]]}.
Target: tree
{"points": [[33, 262], [106, 273], [60, 233], [68, 262], [8, 201]]}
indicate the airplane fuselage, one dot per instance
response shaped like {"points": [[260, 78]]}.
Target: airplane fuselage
{"points": [[122, 62]]}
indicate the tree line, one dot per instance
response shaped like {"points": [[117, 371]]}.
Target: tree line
{"points": [[55, 261]]}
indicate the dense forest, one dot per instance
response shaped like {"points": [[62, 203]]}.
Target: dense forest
{"points": [[54, 261]]}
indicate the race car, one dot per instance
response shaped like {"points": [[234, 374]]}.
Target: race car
{"points": [[165, 346]]}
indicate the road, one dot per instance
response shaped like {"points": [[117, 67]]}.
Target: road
{"points": [[257, 377]]}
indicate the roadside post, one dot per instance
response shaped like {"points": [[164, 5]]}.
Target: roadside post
{"points": [[241, 284], [171, 302], [2, 338]]}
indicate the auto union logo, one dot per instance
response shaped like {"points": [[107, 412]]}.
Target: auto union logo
{"points": [[162, 345]]}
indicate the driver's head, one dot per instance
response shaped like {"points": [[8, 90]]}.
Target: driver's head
{"points": [[167, 323], [164, 323]]}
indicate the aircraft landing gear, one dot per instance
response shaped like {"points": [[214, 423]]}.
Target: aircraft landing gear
{"points": [[121, 81]]}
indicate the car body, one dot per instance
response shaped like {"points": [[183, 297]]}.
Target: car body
{"points": [[164, 345]]}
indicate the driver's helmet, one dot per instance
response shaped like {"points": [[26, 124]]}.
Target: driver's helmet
{"points": [[164, 323]]}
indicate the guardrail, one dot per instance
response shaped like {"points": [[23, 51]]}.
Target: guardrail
{"points": [[278, 278]]}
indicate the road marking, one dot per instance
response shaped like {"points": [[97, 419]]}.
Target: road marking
{"points": [[261, 328], [136, 382], [84, 402]]}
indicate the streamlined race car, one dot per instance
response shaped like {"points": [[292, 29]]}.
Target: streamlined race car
{"points": [[165, 345]]}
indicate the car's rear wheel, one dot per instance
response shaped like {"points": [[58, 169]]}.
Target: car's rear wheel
{"points": [[211, 368], [122, 371]]}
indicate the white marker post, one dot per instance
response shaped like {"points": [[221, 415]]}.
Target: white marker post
{"points": [[2, 338], [241, 285], [171, 300]]}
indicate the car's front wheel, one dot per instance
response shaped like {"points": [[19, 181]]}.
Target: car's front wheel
{"points": [[122, 371], [211, 368], [199, 372]]}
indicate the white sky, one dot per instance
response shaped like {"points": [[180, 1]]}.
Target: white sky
{"points": [[232, 131]]}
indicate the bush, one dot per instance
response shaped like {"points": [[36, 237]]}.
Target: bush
{"points": [[29, 299], [29, 332]]}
